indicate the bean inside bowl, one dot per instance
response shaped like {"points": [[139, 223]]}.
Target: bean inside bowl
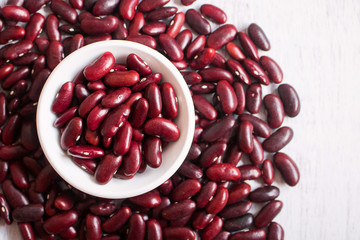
{"points": [[174, 153]]}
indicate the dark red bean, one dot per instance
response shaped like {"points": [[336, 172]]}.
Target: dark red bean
{"points": [[169, 100], [290, 100], [81, 92], [218, 202], [34, 5], [153, 230], [176, 24], [161, 13], [187, 2], [239, 223], [28, 213], [27, 231], [121, 31], [233, 156], [153, 96], [63, 98], [11, 130], [13, 152], [212, 229], [85, 151], [205, 194], [261, 128], [149, 200], [184, 38], [26, 59], [234, 51], [134, 62], [197, 22], [275, 110], [105, 7], [287, 168], [223, 172], [255, 70], [38, 65], [15, 13], [88, 165], [195, 47], [72, 133], [117, 220], [65, 117], [102, 209], [5, 70], [100, 67], [11, 34], [77, 4], [213, 13], [70, 29], [90, 102], [268, 213], [55, 54], [204, 58], [152, 151], [154, 28], [122, 139], [179, 233], [34, 27], [258, 36], [69, 233], [201, 219], [17, 49], [163, 128], [226, 96], [38, 83], [268, 172], [96, 116], [221, 36], [257, 154], [190, 170], [275, 232], [93, 227], [45, 179], [238, 71], [204, 107], [238, 192], [272, 69], [264, 194], [248, 46], [213, 74], [236, 210], [65, 200], [60, 222], [278, 139], [5, 210], [127, 9], [185, 190], [218, 129], [171, 47], [132, 159], [14, 196], [19, 175], [96, 26], [3, 111], [122, 79], [254, 234], [136, 24], [64, 10], [97, 38], [212, 154], [254, 98], [136, 227], [3, 170], [149, 5], [245, 137], [249, 172], [219, 61], [52, 28], [179, 210], [143, 39]]}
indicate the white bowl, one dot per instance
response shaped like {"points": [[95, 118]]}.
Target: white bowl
{"points": [[49, 136]]}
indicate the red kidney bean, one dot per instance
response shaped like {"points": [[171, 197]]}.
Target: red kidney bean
{"points": [[238, 71], [70, 29], [221, 36], [132, 159], [88, 165], [139, 112], [190, 170], [153, 230], [238, 192], [121, 31], [122, 79], [219, 61], [15, 76], [85, 151], [31, 164], [202, 88], [233, 156], [14, 196], [180, 65], [3, 112], [64, 10], [11, 34], [187, 2], [165, 201], [176, 24], [90, 102], [191, 77], [26, 59], [92, 137], [169, 100], [240, 223], [38, 83], [212, 229], [60, 222], [102, 209], [212, 154], [34, 5], [264, 194], [105, 7], [28, 213], [163, 128], [13, 152], [201, 219], [223, 172], [63, 98], [27, 231], [275, 232], [34, 27], [178, 210], [11, 130], [65, 200], [72, 133], [227, 97], [38, 65], [143, 39], [65, 117], [205, 194], [217, 129], [81, 92], [213, 13], [275, 110], [149, 200], [153, 96], [95, 86], [5, 70], [134, 62], [248, 45], [136, 227], [161, 13], [149, 5], [154, 28], [278, 139], [69, 233], [197, 22], [261, 128], [180, 233], [257, 154], [253, 98], [116, 221], [184, 38], [96, 116], [15, 13], [45, 179], [100, 67], [5, 210], [204, 58], [77, 4], [213, 74], [268, 172], [245, 137], [235, 52], [287, 168], [96, 38], [268, 213], [236, 210], [218, 202], [93, 227], [3, 170], [146, 81], [204, 107], [122, 139], [272, 69], [17, 49], [249, 172], [55, 53], [256, 71], [52, 28], [185, 190], [290, 100], [152, 150], [195, 47], [19, 175], [258, 36], [171, 47], [136, 24], [13, 105], [127, 9], [96, 26], [253, 234]]}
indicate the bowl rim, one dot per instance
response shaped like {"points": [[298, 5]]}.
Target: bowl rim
{"points": [[41, 114]]}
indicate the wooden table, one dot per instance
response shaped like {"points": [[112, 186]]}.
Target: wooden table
{"points": [[317, 45]]}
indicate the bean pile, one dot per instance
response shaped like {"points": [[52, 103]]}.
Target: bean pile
{"points": [[120, 103], [210, 197]]}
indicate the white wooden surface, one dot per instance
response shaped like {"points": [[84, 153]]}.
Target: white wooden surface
{"points": [[317, 44]]}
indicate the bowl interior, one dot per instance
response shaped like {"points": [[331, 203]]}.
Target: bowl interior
{"points": [[49, 136]]}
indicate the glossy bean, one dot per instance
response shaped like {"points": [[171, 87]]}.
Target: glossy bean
{"points": [[96, 26], [261, 128], [278, 139], [104, 7], [176, 24], [238, 71], [236, 210], [254, 98], [233, 155], [238, 192], [11, 34], [179, 233], [257, 154], [212, 229], [190, 170], [169, 100], [122, 79], [226, 96], [17, 49], [163, 128], [90, 102], [19, 175], [264, 194], [88, 165], [143, 39], [14, 196], [218, 202], [72, 133], [77, 4], [268, 213], [149, 200], [178, 210], [204, 107], [3, 170], [132, 159], [154, 98], [248, 45], [290, 100], [154, 28], [204, 58], [13, 152], [11, 130], [249, 172], [93, 227], [212, 154], [149, 5], [153, 230], [136, 24], [213, 74], [218, 129], [239, 223], [255, 70], [99, 67], [221, 36], [65, 117], [152, 151], [272, 69], [5, 210], [197, 22], [96, 38], [287, 168], [34, 27], [223, 172], [27, 231], [28, 213], [102, 209], [127, 9], [60, 222], [161, 13], [55, 53], [253, 234], [65, 200], [258, 36], [185, 190], [136, 227], [96, 116], [235, 52], [15, 76], [213, 13], [64, 10], [275, 232], [85, 151], [45, 179], [15, 13], [268, 173], [245, 137], [187, 2], [171, 47], [195, 47], [52, 28], [116, 221], [275, 110], [63, 98]]}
